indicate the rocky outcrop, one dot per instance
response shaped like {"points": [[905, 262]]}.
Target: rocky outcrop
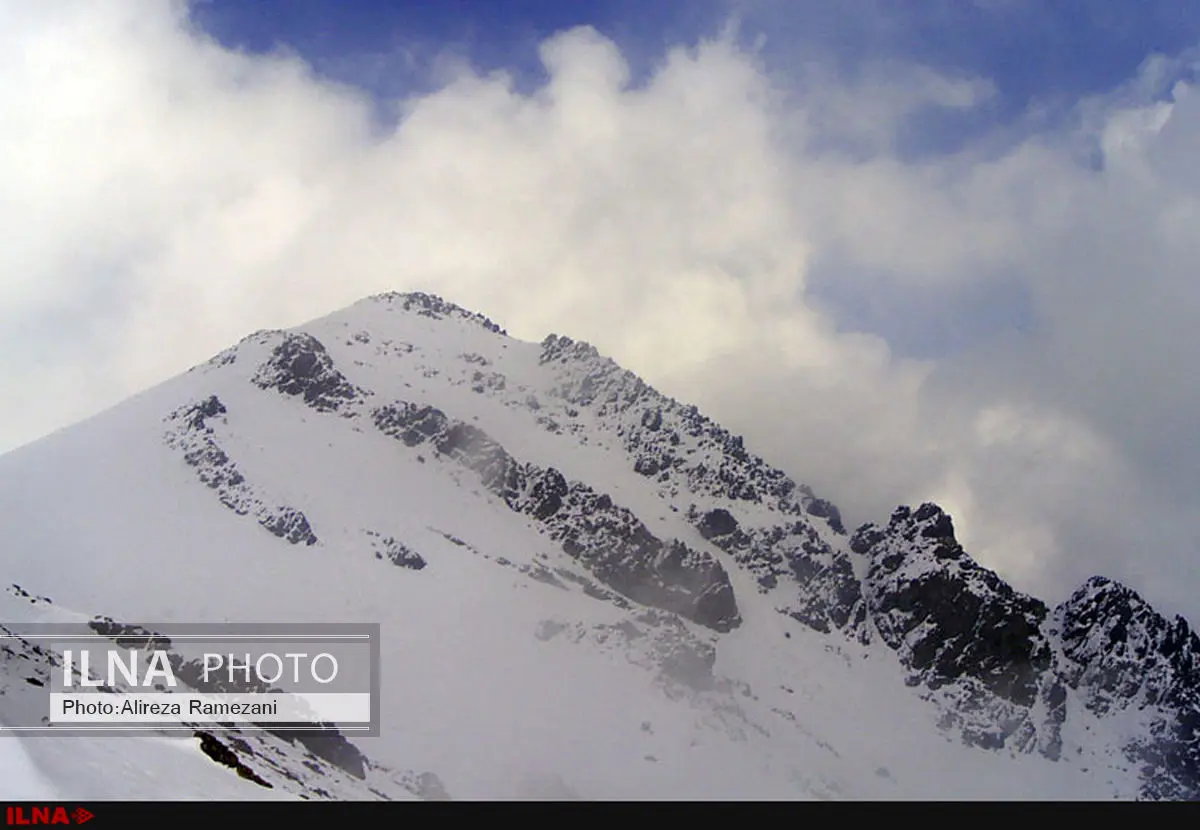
{"points": [[1122, 655], [300, 366], [963, 632], [225, 756], [435, 308], [400, 555], [684, 452], [129, 636], [670, 442], [193, 436], [822, 509], [999, 664], [822, 589], [948, 616], [606, 538]]}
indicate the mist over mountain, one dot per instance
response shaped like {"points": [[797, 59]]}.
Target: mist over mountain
{"points": [[587, 589]]}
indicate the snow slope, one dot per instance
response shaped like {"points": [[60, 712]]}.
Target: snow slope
{"points": [[586, 590]]}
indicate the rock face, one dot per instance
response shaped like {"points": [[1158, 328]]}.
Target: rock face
{"points": [[1000, 664], [606, 538], [225, 756], [301, 366], [817, 583], [1121, 655], [961, 630], [947, 616], [668, 441], [435, 308], [685, 453]]}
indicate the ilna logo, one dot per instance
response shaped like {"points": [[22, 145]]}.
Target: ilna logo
{"points": [[46, 815]]}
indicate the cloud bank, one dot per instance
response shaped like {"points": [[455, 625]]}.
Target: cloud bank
{"points": [[162, 196]]}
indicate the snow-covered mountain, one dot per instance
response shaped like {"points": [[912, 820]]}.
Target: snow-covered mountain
{"points": [[586, 590]]}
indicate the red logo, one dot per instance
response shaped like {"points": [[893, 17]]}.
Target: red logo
{"points": [[46, 815]]}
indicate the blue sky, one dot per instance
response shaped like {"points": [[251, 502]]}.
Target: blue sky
{"points": [[1049, 50]]}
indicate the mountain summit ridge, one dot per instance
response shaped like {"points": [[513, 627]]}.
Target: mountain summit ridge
{"points": [[650, 508]]}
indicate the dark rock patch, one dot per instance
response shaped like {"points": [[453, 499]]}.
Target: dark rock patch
{"points": [[1121, 653], [300, 366], [949, 617], [129, 636], [399, 554], [290, 524], [222, 754], [436, 308], [717, 522], [195, 437], [329, 744], [608, 539]]}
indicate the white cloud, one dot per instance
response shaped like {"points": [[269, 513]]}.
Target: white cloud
{"points": [[162, 196]]}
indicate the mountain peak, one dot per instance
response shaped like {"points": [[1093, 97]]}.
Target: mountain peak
{"points": [[560, 347], [567, 533], [434, 307]]}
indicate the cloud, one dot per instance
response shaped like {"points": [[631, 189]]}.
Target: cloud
{"points": [[162, 196]]}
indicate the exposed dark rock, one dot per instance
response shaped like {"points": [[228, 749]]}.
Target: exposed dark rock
{"points": [[718, 522], [608, 539], [941, 526], [399, 555], [823, 509], [1121, 653], [329, 745], [949, 617], [210, 407], [822, 589], [681, 449], [290, 524], [546, 494], [300, 365], [129, 636], [195, 438], [222, 754], [410, 423], [647, 466], [435, 308], [1007, 674], [866, 537], [1054, 698], [995, 654], [977, 644], [474, 449], [624, 555]]}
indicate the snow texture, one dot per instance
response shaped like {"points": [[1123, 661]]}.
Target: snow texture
{"points": [[587, 590]]}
